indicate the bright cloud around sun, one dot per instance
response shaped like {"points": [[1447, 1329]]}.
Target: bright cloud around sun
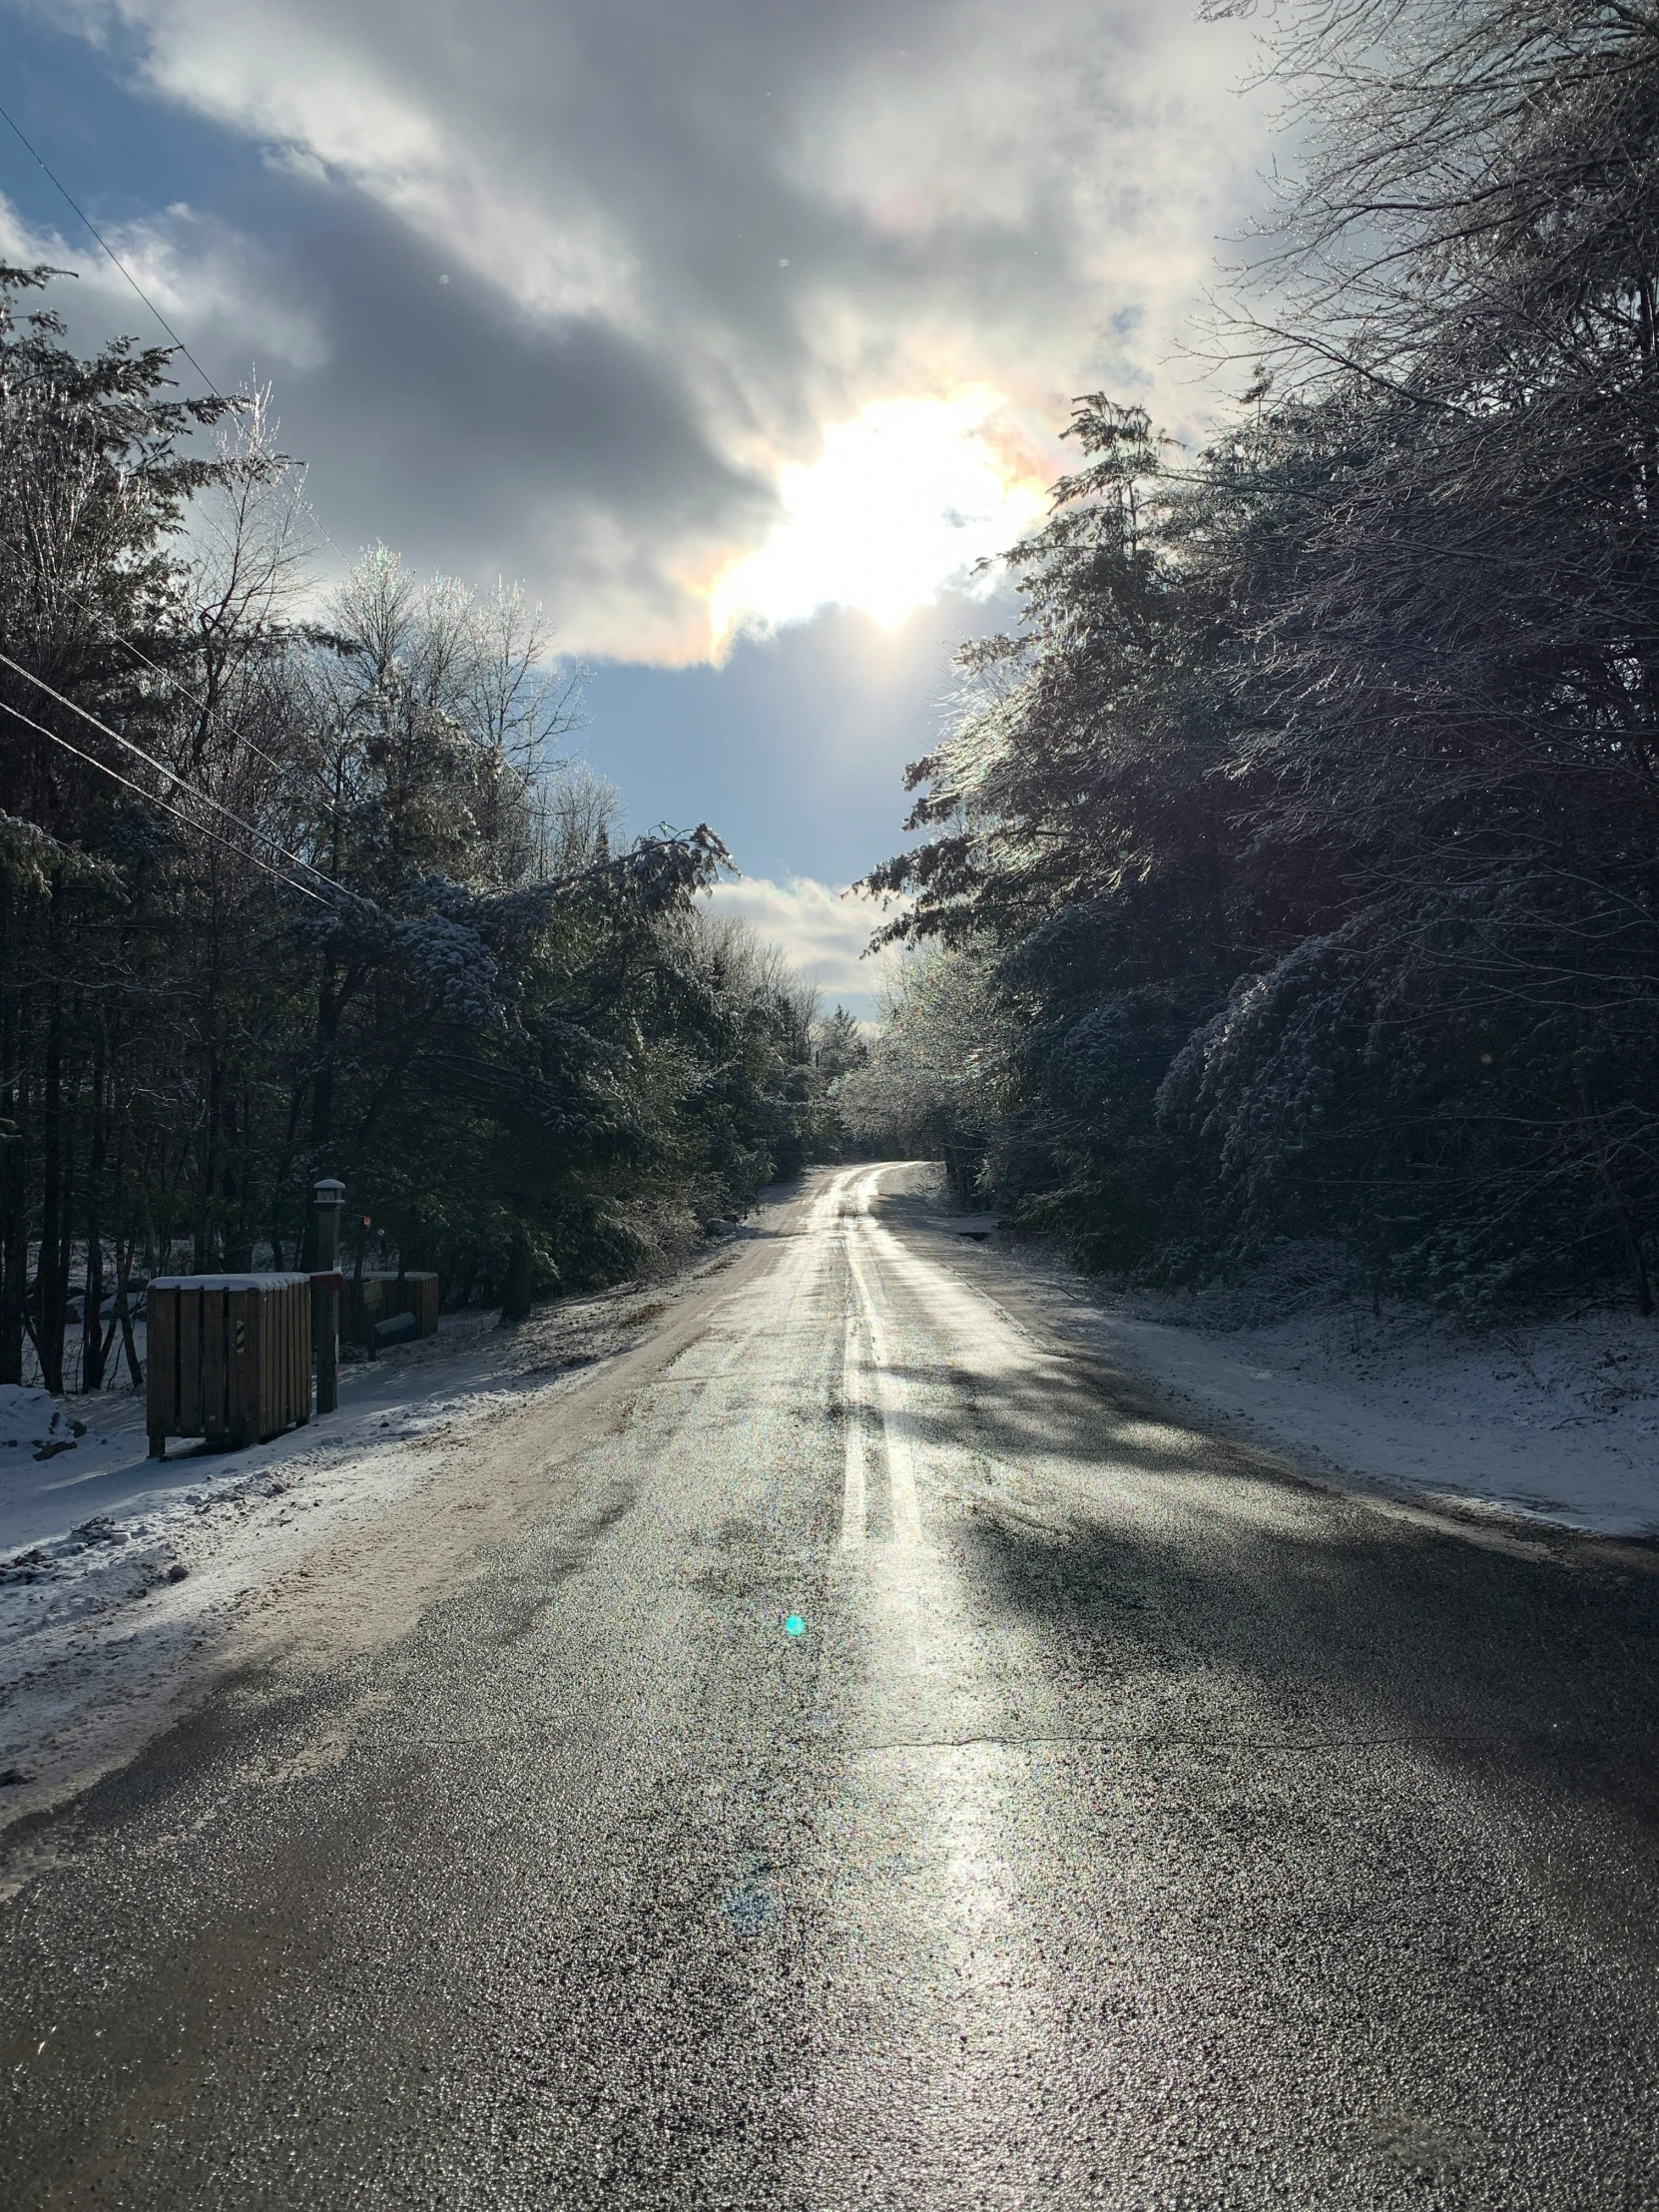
{"points": [[904, 501], [772, 309]]}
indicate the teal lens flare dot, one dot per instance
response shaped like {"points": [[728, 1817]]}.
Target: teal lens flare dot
{"points": [[795, 1626]]}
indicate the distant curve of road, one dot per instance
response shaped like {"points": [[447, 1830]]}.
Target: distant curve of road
{"points": [[897, 1764]]}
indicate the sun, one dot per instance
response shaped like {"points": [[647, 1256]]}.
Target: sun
{"points": [[905, 501]]}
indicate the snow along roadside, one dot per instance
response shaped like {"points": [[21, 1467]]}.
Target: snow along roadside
{"points": [[126, 1581], [1553, 1421]]}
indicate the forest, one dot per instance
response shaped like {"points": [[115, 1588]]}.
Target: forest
{"points": [[1291, 869], [298, 883]]}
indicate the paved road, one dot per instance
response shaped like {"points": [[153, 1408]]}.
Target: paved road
{"points": [[1128, 1825]]}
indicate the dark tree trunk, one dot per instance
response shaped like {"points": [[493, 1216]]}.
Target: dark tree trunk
{"points": [[515, 1302], [280, 1186], [323, 1082], [235, 1243], [91, 1304], [207, 1200], [14, 1219], [328, 1000], [366, 1326], [1640, 1280], [14, 1252], [51, 1270], [123, 1311], [245, 1180]]}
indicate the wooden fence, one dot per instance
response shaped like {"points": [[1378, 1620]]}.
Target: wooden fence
{"points": [[229, 1356], [380, 1295]]}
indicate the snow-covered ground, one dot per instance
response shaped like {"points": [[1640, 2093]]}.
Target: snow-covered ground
{"points": [[83, 1507], [119, 1573], [1554, 1419]]}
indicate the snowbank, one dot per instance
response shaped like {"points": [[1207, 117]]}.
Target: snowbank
{"points": [[32, 1418], [121, 1575], [1555, 1421], [87, 1518]]}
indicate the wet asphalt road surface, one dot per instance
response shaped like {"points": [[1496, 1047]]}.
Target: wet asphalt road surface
{"points": [[1127, 1824]]}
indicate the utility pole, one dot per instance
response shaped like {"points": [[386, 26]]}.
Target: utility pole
{"points": [[326, 1287]]}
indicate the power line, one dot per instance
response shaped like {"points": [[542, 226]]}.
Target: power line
{"points": [[115, 257], [613, 867], [17, 130], [70, 201], [138, 750], [162, 768], [115, 736], [199, 828], [120, 637]]}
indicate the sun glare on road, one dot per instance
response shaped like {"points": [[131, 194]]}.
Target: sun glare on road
{"points": [[905, 499]]}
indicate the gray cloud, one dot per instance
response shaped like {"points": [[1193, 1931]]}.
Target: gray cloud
{"points": [[475, 438], [680, 243]]}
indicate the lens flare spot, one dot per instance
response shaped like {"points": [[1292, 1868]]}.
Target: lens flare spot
{"points": [[795, 1626]]}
